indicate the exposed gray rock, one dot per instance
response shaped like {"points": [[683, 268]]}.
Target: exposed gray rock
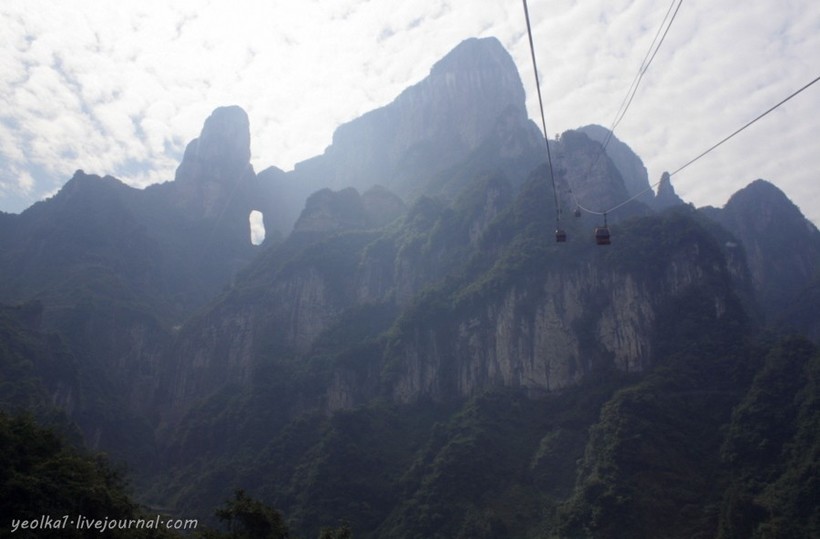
{"points": [[382, 206], [782, 247], [548, 338], [587, 176], [629, 165], [215, 171], [666, 196], [222, 150], [472, 96], [332, 211]]}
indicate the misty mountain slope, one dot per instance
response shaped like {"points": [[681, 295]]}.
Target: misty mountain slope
{"points": [[86, 229], [115, 268], [629, 165], [521, 312], [332, 266], [411, 350], [174, 244], [541, 322], [472, 99], [783, 252], [38, 374], [295, 292]]}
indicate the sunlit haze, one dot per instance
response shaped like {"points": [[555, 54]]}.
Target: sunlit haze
{"points": [[121, 87]]}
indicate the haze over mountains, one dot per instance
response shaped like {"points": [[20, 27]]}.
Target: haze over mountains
{"points": [[409, 349]]}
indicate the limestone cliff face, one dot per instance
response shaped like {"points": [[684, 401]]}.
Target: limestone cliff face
{"points": [[586, 172], [629, 165], [782, 250], [549, 336], [472, 96], [540, 333], [213, 351], [440, 119], [666, 196], [215, 170]]}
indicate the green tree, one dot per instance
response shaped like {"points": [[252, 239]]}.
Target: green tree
{"points": [[342, 532], [248, 518], [43, 476]]}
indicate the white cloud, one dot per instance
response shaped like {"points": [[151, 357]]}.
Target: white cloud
{"points": [[107, 85], [25, 182]]}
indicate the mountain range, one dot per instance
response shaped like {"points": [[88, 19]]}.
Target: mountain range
{"points": [[410, 350]]}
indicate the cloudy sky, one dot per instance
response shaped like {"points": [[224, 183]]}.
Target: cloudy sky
{"points": [[120, 87]]}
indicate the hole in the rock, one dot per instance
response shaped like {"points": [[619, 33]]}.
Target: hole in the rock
{"points": [[257, 225]]}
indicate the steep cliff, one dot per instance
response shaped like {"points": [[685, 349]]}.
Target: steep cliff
{"points": [[586, 176], [115, 269], [480, 301], [666, 196], [437, 367], [629, 165], [471, 101], [783, 252]]}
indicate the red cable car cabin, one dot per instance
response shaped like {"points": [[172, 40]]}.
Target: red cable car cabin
{"points": [[602, 235]]}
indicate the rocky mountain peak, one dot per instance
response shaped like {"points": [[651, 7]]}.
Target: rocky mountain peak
{"points": [[631, 167], [332, 211], [215, 171], [590, 174], [765, 206], [782, 246], [429, 127], [666, 196], [467, 90], [223, 149]]}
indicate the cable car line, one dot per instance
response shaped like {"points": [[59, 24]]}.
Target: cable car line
{"points": [[560, 235], [602, 233], [745, 126], [647, 61], [651, 52], [704, 153]]}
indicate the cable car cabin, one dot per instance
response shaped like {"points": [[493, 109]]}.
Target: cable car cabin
{"points": [[602, 235], [560, 235], [577, 212]]}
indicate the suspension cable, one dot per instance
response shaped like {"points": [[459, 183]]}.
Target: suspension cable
{"points": [[704, 153], [543, 121], [651, 52], [744, 127]]}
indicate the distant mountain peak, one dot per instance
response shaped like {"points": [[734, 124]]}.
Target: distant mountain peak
{"points": [[630, 166], [475, 54], [223, 149], [666, 197], [432, 124], [765, 204], [216, 165]]}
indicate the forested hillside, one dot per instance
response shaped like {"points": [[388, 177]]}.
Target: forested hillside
{"points": [[411, 353]]}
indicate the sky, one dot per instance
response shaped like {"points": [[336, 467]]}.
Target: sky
{"points": [[120, 88]]}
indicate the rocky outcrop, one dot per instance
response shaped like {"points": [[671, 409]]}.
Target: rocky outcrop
{"points": [[470, 105], [629, 165], [215, 172], [381, 206], [782, 249], [550, 336], [331, 211], [437, 121], [666, 196], [328, 211], [587, 176]]}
